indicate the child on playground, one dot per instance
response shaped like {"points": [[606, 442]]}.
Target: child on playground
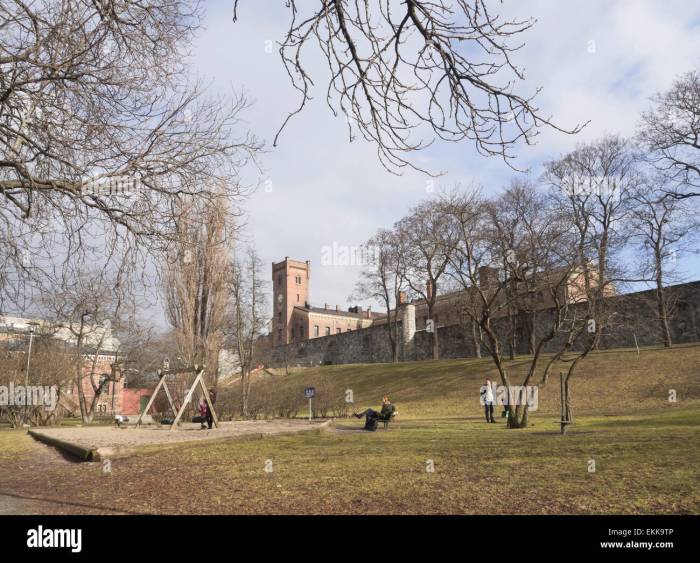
{"points": [[203, 413]]}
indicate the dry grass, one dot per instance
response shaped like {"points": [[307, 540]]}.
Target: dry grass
{"points": [[607, 382], [645, 449]]}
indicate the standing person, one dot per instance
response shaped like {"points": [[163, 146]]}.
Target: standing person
{"points": [[487, 397], [212, 400]]}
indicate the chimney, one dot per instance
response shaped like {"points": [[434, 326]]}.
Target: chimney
{"points": [[487, 276], [337, 308], [429, 290], [402, 299]]}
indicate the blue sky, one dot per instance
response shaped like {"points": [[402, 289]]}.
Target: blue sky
{"points": [[595, 60]]}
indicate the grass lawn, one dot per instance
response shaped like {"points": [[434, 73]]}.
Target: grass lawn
{"points": [[645, 451]]}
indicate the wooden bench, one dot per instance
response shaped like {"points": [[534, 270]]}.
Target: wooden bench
{"points": [[386, 421], [379, 419]]}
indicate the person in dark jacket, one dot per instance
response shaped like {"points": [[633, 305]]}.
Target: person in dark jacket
{"points": [[209, 416], [372, 416]]}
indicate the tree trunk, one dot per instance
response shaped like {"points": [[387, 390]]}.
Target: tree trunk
{"points": [[393, 337], [663, 315], [518, 416], [244, 392], [436, 352], [511, 338], [476, 337], [567, 415]]}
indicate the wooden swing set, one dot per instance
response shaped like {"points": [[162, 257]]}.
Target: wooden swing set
{"points": [[198, 381]]}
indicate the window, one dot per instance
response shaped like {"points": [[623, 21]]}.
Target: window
{"points": [[297, 298], [328, 331], [279, 316], [298, 280], [301, 331], [337, 331], [315, 330]]}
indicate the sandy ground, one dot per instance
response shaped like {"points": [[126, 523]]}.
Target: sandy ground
{"points": [[98, 437]]}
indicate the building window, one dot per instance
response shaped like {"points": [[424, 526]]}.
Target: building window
{"points": [[328, 331], [337, 331], [297, 298], [315, 330], [279, 316], [298, 280], [301, 331]]}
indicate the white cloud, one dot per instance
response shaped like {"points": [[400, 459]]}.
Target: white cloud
{"points": [[326, 189]]}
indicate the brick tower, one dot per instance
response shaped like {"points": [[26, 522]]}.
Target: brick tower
{"points": [[290, 283]]}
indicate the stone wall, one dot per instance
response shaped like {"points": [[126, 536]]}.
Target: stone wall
{"points": [[367, 345], [634, 317]]}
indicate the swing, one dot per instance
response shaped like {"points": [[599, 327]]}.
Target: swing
{"points": [[198, 380]]}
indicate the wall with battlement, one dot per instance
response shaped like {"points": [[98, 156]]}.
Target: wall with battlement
{"points": [[367, 345], [634, 322]]}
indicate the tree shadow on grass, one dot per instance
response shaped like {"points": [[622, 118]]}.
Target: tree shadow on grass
{"points": [[558, 433], [68, 503]]}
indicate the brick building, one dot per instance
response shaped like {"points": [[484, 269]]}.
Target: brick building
{"points": [[99, 354], [295, 319]]}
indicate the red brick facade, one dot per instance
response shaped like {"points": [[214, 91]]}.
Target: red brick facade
{"points": [[293, 317]]}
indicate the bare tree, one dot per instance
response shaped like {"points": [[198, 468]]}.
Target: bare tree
{"points": [[247, 316], [511, 256], [101, 130], [195, 281], [383, 280], [406, 73], [670, 132], [662, 227], [425, 238], [85, 308], [592, 186], [51, 365]]}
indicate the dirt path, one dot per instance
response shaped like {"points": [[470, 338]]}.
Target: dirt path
{"points": [[29, 486], [96, 437]]}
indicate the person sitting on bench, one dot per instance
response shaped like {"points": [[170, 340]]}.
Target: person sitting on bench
{"points": [[372, 416]]}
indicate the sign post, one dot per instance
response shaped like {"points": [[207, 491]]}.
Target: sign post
{"points": [[309, 393]]}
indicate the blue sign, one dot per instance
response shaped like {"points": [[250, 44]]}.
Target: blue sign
{"points": [[310, 392]]}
